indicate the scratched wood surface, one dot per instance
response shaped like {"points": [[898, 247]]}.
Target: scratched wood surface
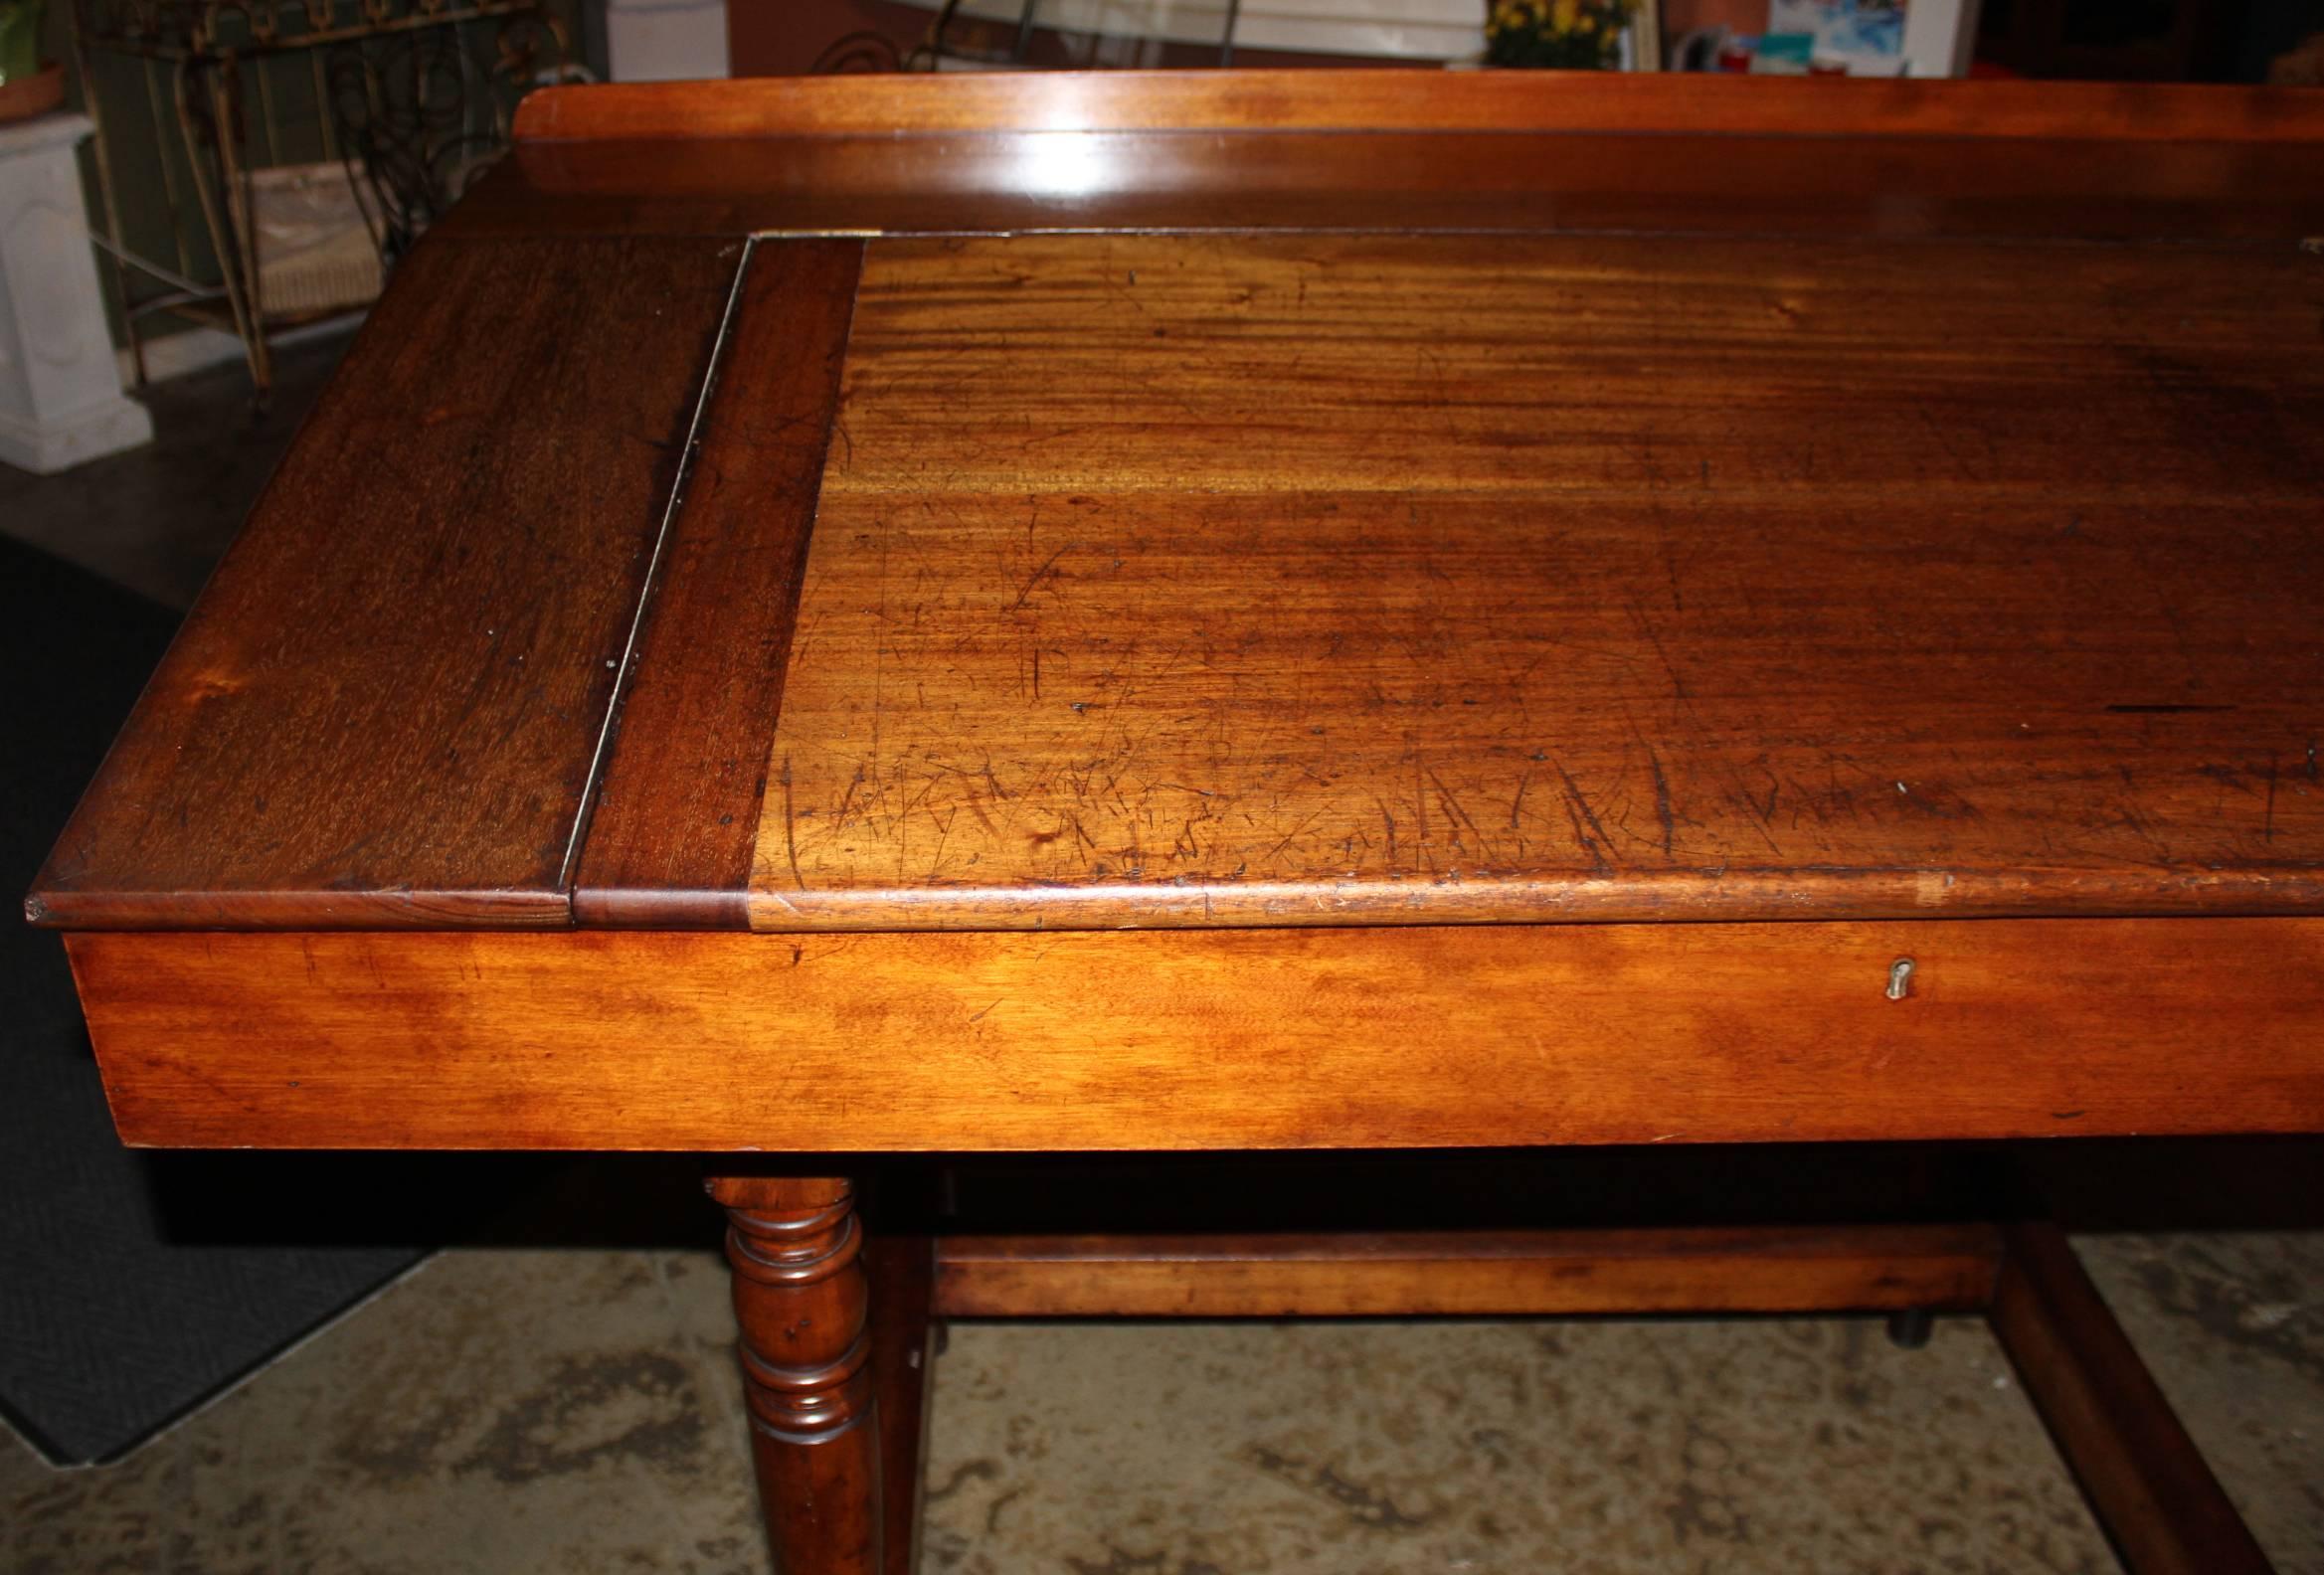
{"points": [[387, 706], [1264, 579]]}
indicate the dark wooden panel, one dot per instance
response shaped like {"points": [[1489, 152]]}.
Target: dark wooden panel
{"points": [[2145, 1478], [1503, 1273], [1406, 180], [1413, 100], [1381, 1038], [901, 1271], [1318, 579], [385, 707], [677, 809]]}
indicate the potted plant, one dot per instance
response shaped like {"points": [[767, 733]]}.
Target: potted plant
{"points": [[27, 87], [1561, 35]]}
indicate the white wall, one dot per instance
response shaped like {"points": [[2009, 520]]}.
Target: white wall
{"points": [[665, 40]]}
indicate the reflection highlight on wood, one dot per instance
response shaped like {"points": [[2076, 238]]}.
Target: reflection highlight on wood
{"points": [[1406, 180], [1366, 101], [1404, 151]]}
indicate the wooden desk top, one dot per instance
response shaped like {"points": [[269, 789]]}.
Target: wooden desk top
{"points": [[1207, 503], [1220, 576]]}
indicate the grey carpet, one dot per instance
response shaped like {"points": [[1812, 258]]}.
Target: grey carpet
{"points": [[120, 1305]]}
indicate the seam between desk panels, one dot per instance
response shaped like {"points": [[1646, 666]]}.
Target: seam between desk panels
{"points": [[631, 881], [807, 542], [651, 582]]}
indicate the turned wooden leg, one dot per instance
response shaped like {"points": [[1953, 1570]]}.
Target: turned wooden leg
{"points": [[799, 1295]]}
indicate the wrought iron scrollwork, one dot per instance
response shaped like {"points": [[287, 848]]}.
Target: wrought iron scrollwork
{"points": [[400, 110], [420, 117], [414, 96], [858, 54]]}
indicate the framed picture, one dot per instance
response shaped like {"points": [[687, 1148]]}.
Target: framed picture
{"points": [[1878, 37], [1132, 32]]}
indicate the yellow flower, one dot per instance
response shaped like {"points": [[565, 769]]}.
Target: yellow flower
{"points": [[1566, 14]]}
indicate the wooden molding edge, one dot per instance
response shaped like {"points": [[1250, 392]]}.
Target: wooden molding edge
{"points": [[1415, 101]]}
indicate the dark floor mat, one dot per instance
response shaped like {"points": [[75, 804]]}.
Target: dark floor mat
{"points": [[113, 1320]]}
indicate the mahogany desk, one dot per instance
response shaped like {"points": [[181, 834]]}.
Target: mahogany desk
{"points": [[1273, 613]]}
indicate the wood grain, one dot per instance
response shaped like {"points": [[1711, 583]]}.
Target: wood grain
{"points": [[1469, 1274], [1384, 1037], [1194, 580], [677, 816], [1359, 100], [2148, 1483], [386, 707], [1402, 181]]}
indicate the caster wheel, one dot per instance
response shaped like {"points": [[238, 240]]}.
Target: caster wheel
{"points": [[1910, 1331]]}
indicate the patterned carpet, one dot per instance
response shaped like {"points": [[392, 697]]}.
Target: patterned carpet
{"points": [[573, 1411]]}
